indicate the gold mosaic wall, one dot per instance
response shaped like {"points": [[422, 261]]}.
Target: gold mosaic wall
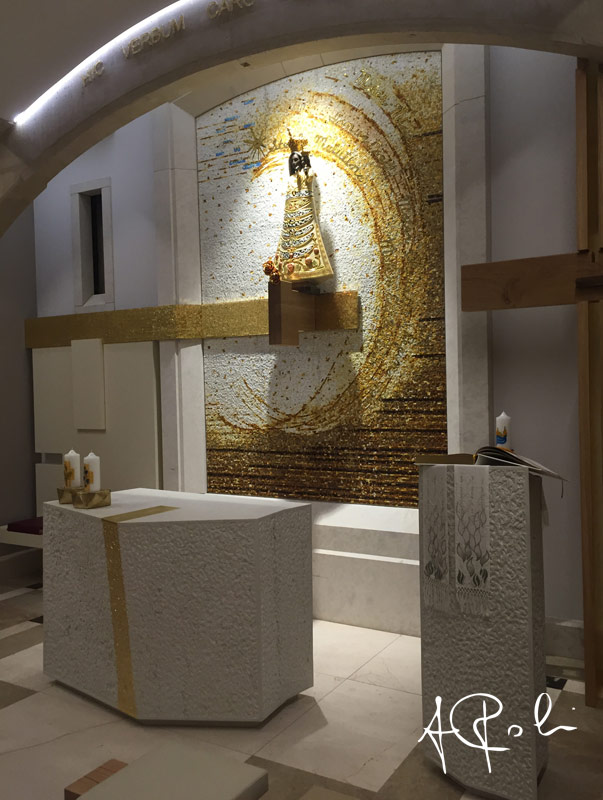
{"points": [[343, 416]]}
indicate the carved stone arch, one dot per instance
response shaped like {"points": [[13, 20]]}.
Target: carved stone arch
{"points": [[147, 70]]}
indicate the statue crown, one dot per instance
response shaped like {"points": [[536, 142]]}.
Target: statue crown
{"points": [[297, 145]]}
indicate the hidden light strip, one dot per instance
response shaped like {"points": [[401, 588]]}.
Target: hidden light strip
{"points": [[92, 59]]}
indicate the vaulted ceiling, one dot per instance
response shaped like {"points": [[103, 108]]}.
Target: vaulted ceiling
{"points": [[41, 40]]}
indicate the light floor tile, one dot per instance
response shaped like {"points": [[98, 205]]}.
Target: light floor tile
{"points": [[14, 593], [25, 668], [341, 650], [574, 686], [358, 733], [48, 715], [31, 603], [396, 667], [43, 771], [323, 684], [250, 740], [22, 626], [319, 793], [553, 694], [23, 640]]}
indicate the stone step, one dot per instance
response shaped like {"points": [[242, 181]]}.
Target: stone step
{"points": [[366, 590], [17, 561], [392, 544]]}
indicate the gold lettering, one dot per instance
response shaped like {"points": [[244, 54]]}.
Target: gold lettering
{"points": [[217, 7], [178, 24], [94, 72], [154, 36]]}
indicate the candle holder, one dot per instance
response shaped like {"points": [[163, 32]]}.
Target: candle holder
{"points": [[98, 499], [66, 493]]}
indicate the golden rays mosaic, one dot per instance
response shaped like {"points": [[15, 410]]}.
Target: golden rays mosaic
{"points": [[343, 416]]}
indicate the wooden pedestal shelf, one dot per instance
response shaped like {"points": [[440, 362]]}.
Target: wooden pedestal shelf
{"points": [[291, 310]]}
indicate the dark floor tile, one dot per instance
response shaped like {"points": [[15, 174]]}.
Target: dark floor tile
{"points": [[9, 694], [555, 683], [575, 767], [288, 783], [29, 604], [570, 709], [39, 620], [21, 641], [418, 777], [10, 615]]}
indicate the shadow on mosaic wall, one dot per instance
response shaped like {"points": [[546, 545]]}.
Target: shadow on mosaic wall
{"points": [[343, 416]]}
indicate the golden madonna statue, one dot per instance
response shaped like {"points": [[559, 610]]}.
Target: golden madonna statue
{"points": [[301, 254]]}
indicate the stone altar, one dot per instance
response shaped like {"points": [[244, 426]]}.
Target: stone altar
{"points": [[172, 606]]}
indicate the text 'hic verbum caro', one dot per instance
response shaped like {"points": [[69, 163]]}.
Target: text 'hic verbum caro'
{"points": [[161, 33]]}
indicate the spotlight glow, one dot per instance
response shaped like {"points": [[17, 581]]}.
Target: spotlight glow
{"points": [[92, 59]]}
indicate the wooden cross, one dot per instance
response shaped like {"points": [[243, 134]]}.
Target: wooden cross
{"points": [[565, 279]]}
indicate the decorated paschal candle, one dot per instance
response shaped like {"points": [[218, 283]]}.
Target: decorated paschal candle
{"points": [[503, 431], [71, 469], [92, 473]]}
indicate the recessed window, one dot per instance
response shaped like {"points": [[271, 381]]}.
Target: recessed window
{"points": [[92, 245], [96, 234]]}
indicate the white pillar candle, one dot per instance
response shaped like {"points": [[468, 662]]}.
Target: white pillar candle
{"points": [[92, 480], [71, 469], [503, 431]]}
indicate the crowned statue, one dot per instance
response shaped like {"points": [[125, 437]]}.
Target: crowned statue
{"points": [[301, 254]]}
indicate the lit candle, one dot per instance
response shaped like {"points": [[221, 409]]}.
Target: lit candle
{"points": [[503, 431], [71, 469], [92, 481]]}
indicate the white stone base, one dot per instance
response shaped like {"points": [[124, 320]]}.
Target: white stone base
{"points": [[365, 566], [218, 602]]}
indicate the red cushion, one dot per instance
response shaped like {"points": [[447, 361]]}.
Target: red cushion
{"points": [[27, 526]]}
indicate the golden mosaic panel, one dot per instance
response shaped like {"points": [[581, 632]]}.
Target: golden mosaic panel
{"points": [[343, 416]]}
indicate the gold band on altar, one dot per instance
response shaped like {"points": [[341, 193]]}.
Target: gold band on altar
{"points": [[126, 695]]}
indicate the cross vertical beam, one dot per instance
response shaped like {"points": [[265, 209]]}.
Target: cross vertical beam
{"points": [[589, 206]]}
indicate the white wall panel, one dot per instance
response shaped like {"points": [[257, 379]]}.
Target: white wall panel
{"points": [[129, 446], [88, 381]]}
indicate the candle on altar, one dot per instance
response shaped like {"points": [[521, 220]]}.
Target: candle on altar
{"points": [[92, 473], [71, 469], [503, 431]]}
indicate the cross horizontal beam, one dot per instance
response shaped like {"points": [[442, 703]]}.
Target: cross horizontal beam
{"points": [[530, 282]]}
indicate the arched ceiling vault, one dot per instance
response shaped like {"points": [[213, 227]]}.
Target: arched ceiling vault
{"points": [[41, 42]]}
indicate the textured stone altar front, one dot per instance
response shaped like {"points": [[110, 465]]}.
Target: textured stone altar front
{"points": [[202, 612], [482, 620]]}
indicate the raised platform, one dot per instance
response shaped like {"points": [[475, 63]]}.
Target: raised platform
{"points": [[365, 566]]}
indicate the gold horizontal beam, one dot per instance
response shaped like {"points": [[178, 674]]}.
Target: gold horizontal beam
{"points": [[339, 311]]}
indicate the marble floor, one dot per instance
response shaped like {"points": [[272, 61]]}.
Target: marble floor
{"points": [[354, 735]]}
